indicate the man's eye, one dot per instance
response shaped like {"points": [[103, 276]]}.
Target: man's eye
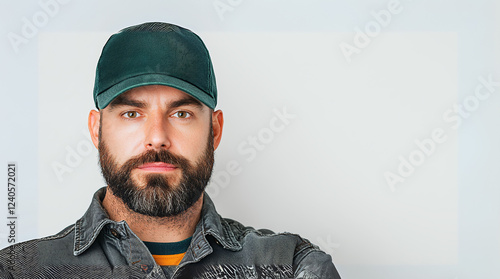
{"points": [[182, 114], [131, 114]]}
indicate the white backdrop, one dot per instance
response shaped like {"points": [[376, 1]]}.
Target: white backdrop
{"points": [[369, 127]]}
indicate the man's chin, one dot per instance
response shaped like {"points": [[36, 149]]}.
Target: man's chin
{"points": [[143, 179]]}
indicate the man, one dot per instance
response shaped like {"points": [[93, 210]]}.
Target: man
{"points": [[156, 131]]}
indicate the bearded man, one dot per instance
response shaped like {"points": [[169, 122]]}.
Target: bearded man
{"points": [[156, 129]]}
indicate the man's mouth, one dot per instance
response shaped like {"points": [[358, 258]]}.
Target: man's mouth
{"points": [[157, 167]]}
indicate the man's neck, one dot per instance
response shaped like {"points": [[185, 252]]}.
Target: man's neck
{"points": [[154, 229]]}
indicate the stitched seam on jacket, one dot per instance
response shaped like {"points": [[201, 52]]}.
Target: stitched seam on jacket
{"points": [[58, 235]]}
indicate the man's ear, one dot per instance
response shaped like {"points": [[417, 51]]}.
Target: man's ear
{"points": [[217, 124], [94, 123]]}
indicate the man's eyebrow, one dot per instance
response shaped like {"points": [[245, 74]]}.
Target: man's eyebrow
{"points": [[188, 100], [124, 101]]}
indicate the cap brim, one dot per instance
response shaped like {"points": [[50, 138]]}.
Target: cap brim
{"points": [[106, 97]]}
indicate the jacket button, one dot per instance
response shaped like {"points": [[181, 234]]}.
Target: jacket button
{"points": [[115, 233]]}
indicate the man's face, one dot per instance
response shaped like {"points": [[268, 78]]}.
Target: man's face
{"points": [[156, 149]]}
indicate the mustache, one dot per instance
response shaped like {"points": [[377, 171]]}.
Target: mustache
{"points": [[153, 156]]}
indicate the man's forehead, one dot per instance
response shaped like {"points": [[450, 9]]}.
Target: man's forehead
{"points": [[150, 94]]}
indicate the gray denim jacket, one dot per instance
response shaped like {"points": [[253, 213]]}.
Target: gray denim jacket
{"points": [[97, 247]]}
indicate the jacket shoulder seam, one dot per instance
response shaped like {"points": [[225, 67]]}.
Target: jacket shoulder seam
{"points": [[59, 235]]}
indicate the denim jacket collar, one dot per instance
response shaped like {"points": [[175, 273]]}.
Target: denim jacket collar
{"points": [[96, 218], [212, 224]]}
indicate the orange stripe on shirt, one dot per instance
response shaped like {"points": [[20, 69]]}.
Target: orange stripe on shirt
{"points": [[168, 259]]}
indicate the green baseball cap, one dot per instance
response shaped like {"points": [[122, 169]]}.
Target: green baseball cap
{"points": [[155, 53]]}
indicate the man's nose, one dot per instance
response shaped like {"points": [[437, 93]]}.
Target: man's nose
{"points": [[157, 136]]}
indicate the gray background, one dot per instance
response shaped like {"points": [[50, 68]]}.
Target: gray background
{"points": [[321, 172]]}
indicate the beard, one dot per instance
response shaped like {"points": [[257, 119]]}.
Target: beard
{"points": [[158, 196]]}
